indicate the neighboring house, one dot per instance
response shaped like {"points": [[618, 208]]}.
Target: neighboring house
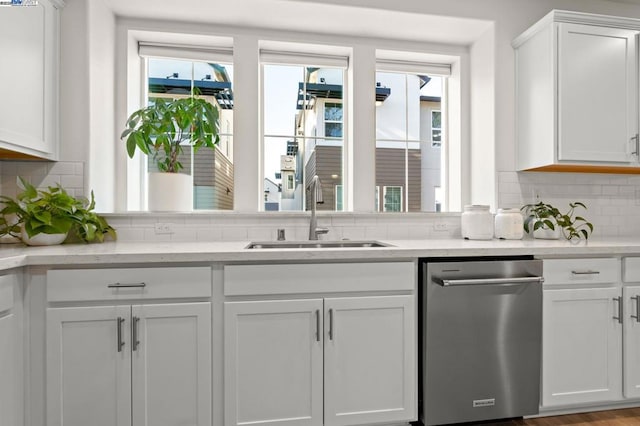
{"points": [[408, 166], [271, 195]]}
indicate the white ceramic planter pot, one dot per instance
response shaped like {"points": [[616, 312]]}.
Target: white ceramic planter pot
{"points": [[170, 192], [547, 234], [42, 239]]}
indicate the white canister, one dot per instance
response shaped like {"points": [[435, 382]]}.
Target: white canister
{"points": [[509, 224], [477, 222]]}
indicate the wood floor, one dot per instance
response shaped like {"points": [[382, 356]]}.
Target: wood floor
{"points": [[626, 417]]}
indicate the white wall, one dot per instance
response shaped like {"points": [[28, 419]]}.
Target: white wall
{"points": [[101, 139]]}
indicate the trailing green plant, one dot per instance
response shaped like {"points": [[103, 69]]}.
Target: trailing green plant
{"points": [[163, 127], [546, 216], [52, 211]]}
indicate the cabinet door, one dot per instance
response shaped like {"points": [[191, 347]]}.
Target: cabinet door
{"points": [[171, 351], [88, 370], [370, 360], [597, 93], [273, 362], [28, 88], [631, 371], [9, 374], [581, 346]]}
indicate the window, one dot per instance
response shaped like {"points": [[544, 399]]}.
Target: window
{"points": [[392, 199], [298, 122], [302, 104], [408, 109], [333, 119], [212, 170], [436, 130]]}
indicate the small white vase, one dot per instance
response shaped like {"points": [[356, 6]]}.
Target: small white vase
{"points": [[547, 234], [170, 192], [42, 239]]}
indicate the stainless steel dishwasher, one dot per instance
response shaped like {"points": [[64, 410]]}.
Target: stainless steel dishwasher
{"points": [[481, 339]]}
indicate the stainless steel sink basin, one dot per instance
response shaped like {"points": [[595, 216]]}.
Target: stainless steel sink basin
{"points": [[315, 244]]}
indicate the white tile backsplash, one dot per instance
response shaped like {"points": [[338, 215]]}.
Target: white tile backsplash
{"points": [[613, 203]]}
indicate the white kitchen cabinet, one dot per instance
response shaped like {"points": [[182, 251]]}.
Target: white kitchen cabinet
{"points": [[109, 364], [577, 93], [29, 47], [143, 363], [10, 353], [88, 370], [7, 370], [171, 365], [369, 358], [582, 346], [273, 362], [275, 352], [631, 297]]}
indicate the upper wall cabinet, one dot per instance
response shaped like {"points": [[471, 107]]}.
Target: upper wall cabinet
{"points": [[29, 46], [577, 94]]}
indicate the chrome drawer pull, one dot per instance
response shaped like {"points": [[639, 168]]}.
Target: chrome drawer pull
{"points": [[119, 334], [585, 272], [330, 324], [618, 300], [131, 285], [637, 315], [134, 334]]}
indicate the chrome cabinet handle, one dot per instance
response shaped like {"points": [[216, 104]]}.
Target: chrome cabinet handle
{"points": [[637, 315], [589, 272], [317, 325], [330, 324], [124, 285], [618, 300], [119, 332], [637, 140], [134, 333]]}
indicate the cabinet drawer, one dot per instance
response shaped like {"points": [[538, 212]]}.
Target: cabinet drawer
{"points": [[631, 269], [581, 271], [66, 285], [244, 280], [6, 292]]}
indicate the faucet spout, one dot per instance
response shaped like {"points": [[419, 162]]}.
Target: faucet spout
{"points": [[315, 188]]}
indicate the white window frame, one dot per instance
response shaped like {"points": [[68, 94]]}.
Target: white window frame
{"points": [[359, 194], [385, 63], [145, 47], [297, 58]]}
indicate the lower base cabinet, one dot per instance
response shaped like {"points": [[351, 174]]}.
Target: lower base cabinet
{"points": [[582, 346], [8, 372], [123, 365], [331, 361]]}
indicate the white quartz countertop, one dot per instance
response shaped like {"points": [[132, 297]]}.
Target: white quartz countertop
{"points": [[16, 255]]}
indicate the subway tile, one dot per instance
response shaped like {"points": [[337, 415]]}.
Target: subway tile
{"points": [[62, 168]]}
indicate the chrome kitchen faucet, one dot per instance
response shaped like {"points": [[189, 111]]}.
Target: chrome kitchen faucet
{"points": [[315, 188]]}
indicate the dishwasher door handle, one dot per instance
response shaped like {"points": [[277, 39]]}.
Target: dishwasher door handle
{"points": [[488, 281]]}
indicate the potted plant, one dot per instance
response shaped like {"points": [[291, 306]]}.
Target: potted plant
{"points": [[161, 130], [46, 217], [546, 221]]}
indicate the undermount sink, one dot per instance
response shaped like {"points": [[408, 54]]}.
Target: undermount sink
{"points": [[315, 244]]}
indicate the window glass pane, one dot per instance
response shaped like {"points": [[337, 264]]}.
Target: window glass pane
{"points": [[303, 119], [212, 170], [408, 140], [392, 198]]}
